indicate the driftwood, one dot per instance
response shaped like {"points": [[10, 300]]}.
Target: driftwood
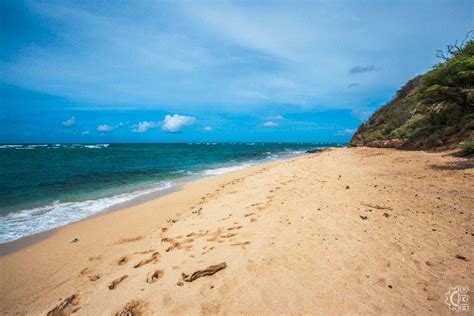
{"points": [[200, 273]]}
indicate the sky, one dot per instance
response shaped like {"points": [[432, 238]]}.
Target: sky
{"points": [[211, 71]]}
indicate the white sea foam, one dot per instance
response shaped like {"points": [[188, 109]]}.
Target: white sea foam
{"points": [[273, 156], [182, 172], [53, 146], [22, 223], [222, 170], [97, 146], [9, 146]]}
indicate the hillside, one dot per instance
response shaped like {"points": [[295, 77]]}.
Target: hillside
{"points": [[431, 111]]}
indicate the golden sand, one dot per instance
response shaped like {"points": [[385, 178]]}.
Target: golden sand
{"points": [[345, 231]]}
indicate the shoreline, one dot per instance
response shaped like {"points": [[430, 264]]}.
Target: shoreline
{"points": [[25, 241], [176, 185], [368, 225], [12, 246]]}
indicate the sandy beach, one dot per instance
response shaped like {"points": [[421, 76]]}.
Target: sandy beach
{"points": [[344, 231]]}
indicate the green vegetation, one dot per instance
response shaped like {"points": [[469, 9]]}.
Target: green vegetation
{"points": [[434, 110], [466, 148]]}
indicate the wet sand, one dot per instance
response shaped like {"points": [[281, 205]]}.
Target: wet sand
{"points": [[349, 230]]}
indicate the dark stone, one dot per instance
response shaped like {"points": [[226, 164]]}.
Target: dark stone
{"points": [[460, 257]]}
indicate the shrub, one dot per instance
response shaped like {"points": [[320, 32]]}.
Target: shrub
{"points": [[466, 148], [451, 81]]}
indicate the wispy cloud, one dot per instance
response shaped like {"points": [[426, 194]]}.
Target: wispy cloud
{"points": [[247, 53], [251, 58], [274, 118], [174, 123], [270, 124], [69, 123], [345, 132], [105, 128], [362, 69], [208, 129]]}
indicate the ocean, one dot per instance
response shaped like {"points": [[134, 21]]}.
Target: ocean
{"points": [[44, 186]]}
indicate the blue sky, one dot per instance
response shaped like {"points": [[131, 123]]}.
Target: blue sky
{"points": [[180, 71]]}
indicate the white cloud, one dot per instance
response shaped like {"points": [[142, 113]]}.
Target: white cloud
{"points": [[175, 123], [142, 127], [270, 124], [70, 122], [274, 118], [345, 132], [85, 133], [106, 128], [208, 129]]}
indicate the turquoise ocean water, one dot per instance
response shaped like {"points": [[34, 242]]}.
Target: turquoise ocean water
{"points": [[46, 186]]}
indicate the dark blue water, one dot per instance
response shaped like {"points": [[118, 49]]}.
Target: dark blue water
{"points": [[45, 186]]}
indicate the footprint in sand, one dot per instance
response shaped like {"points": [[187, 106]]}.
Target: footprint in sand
{"points": [[242, 244], [235, 227], [84, 271], [201, 233], [113, 285], [154, 276], [229, 235], [252, 217], [145, 252], [381, 282], [154, 258], [171, 220], [128, 240], [226, 218], [185, 244], [210, 308], [206, 251], [66, 307], [94, 278], [133, 308], [198, 211], [123, 260]]}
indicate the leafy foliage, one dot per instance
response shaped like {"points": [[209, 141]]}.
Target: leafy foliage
{"points": [[451, 81], [432, 110], [466, 148]]}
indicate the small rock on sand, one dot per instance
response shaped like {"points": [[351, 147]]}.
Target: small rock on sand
{"points": [[460, 257]]}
